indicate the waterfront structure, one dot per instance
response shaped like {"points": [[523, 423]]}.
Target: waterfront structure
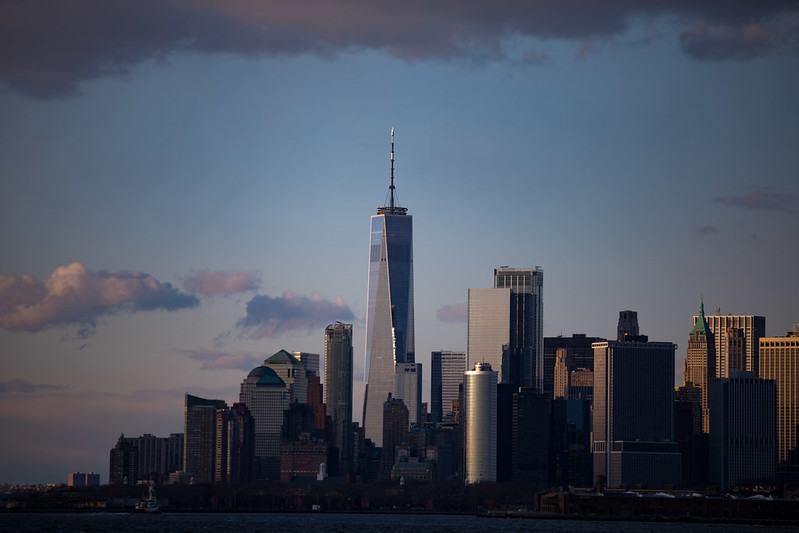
{"points": [[700, 362], [389, 309], [779, 361], [479, 420], [446, 374], [408, 387], [736, 339], [338, 392], [292, 372], [199, 451], [743, 436], [627, 326], [488, 330], [579, 354], [633, 442], [266, 396], [526, 342]]}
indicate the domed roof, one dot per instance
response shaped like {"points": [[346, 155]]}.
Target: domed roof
{"points": [[270, 377], [258, 371]]}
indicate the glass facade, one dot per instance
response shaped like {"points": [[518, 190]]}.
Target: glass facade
{"points": [[488, 331], [389, 314]]}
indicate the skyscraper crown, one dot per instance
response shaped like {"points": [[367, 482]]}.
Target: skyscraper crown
{"points": [[392, 208]]}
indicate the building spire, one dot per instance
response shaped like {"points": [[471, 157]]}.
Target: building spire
{"points": [[393, 207], [701, 322]]}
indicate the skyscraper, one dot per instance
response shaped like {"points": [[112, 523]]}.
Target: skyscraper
{"points": [[700, 362], [628, 325], [446, 373], [779, 360], [408, 387], [199, 451], [479, 424], [266, 396], [292, 372], [389, 306], [488, 330], [526, 344], [633, 414], [338, 390], [736, 338]]}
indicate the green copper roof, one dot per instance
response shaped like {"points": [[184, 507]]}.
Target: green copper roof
{"points": [[701, 323], [282, 357], [269, 377]]}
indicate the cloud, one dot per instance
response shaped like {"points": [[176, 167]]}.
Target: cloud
{"points": [[453, 313], [73, 295], [23, 386], [271, 317], [760, 200], [220, 360], [208, 283], [534, 57], [586, 50], [48, 48], [705, 230]]}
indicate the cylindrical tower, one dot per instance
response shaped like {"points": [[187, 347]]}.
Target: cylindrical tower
{"points": [[480, 424]]}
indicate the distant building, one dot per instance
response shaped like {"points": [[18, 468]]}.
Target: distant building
{"points": [[480, 424], [235, 445], [563, 366], [532, 438], [488, 330], [82, 479], [737, 339], [579, 354], [408, 387], [700, 362], [199, 452], [779, 361], [338, 393], [628, 325], [395, 433], [446, 373], [526, 344], [581, 385], [292, 372], [389, 312], [266, 396], [302, 459], [743, 437], [145, 458], [633, 442], [310, 361]]}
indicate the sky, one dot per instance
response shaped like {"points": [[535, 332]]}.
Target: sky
{"points": [[186, 186]]}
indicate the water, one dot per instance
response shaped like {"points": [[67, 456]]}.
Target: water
{"points": [[311, 523]]}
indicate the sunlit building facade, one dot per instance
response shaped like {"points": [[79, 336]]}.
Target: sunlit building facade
{"points": [[479, 424]]}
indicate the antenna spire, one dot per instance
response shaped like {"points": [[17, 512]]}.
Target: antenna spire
{"points": [[391, 188]]}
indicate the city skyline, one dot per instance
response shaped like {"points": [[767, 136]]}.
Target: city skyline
{"points": [[177, 207]]}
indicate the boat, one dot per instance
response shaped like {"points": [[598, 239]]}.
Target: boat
{"points": [[150, 505]]}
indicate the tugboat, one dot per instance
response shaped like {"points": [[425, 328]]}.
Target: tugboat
{"points": [[150, 505]]}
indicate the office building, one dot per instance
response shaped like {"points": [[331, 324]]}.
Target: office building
{"points": [[736, 339], [479, 420], [199, 451], [579, 354], [266, 396], [526, 343], [488, 330], [532, 438], [563, 366], [389, 309], [628, 325], [145, 458], [310, 361], [83, 479], [743, 436], [446, 373], [700, 362], [408, 387], [235, 445], [338, 393], [395, 433], [779, 361], [633, 442], [292, 372]]}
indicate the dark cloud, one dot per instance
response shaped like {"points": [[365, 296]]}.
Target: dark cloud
{"points": [[48, 47], [23, 386], [453, 313], [73, 295], [705, 230], [271, 317], [208, 283], [760, 200], [221, 360]]}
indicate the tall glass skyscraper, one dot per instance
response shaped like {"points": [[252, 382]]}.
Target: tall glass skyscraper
{"points": [[389, 310]]}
